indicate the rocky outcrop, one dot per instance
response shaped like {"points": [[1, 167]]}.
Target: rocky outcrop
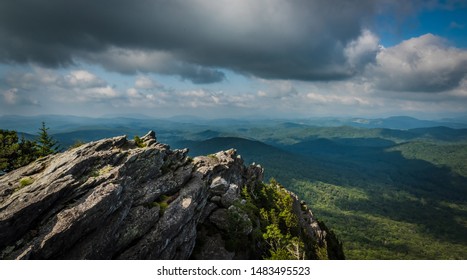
{"points": [[121, 199]]}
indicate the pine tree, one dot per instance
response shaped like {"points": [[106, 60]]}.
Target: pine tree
{"points": [[8, 149], [47, 145], [14, 153], [27, 152]]}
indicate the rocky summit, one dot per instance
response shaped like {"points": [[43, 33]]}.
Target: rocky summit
{"points": [[138, 199]]}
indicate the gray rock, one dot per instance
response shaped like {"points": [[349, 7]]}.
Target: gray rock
{"points": [[230, 196], [151, 135], [216, 199], [218, 186], [213, 248], [220, 218], [210, 207], [109, 199]]}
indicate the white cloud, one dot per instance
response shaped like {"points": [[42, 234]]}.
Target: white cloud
{"points": [[422, 64], [41, 77], [333, 99], [363, 50], [82, 79], [198, 99], [277, 89], [12, 97], [133, 93], [106, 92], [144, 82], [74, 86], [38, 77], [137, 99], [201, 98]]}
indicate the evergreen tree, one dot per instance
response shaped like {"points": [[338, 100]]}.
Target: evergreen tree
{"points": [[14, 154], [47, 145], [27, 152], [8, 149]]}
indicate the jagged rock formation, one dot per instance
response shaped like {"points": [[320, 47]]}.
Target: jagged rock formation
{"points": [[120, 199]]}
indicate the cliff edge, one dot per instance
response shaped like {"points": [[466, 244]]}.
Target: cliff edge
{"points": [[124, 199]]}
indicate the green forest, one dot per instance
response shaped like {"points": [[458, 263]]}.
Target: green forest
{"points": [[387, 194]]}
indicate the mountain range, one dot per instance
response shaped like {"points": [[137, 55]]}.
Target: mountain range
{"points": [[391, 188]]}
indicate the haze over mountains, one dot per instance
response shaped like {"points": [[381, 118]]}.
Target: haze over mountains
{"points": [[65, 123]]}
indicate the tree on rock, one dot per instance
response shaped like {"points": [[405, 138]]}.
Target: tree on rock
{"points": [[47, 145]]}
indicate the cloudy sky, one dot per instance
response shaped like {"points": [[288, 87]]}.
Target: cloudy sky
{"points": [[219, 58]]}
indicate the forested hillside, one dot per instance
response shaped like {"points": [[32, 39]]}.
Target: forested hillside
{"points": [[387, 193], [385, 199]]}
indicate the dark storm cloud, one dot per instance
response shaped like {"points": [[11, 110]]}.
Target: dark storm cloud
{"points": [[301, 39]]}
